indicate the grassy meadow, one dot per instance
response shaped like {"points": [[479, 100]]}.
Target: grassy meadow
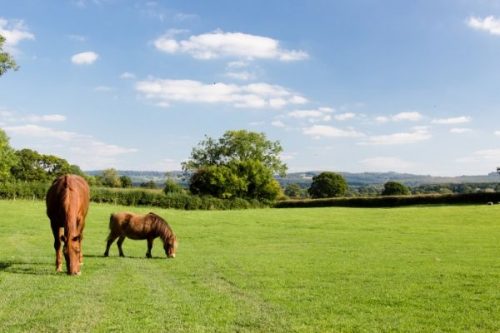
{"points": [[412, 269]]}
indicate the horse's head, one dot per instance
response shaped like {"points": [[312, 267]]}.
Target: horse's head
{"points": [[170, 247], [72, 248]]}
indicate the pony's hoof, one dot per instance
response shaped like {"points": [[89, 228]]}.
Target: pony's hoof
{"points": [[106, 255]]}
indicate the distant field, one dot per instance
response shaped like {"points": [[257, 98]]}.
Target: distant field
{"points": [[413, 269]]}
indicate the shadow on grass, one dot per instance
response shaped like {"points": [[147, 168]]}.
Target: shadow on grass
{"points": [[31, 268], [126, 257]]}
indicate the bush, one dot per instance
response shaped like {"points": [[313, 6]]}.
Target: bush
{"points": [[394, 201]]}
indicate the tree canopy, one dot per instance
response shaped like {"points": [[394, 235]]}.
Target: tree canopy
{"points": [[327, 185], [8, 157], [6, 60], [239, 164], [33, 166], [395, 188]]}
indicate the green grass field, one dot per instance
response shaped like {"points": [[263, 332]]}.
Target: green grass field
{"points": [[414, 269]]}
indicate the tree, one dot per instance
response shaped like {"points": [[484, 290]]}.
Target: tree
{"points": [[126, 181], [171, 186], [6, 60], [8, 157], [149, 184], [239, 164], [294, 190], [327, 185], [395, 188], [110, 178], [35, 167]]}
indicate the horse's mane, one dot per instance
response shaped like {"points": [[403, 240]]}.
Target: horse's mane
{"points": [[161, 227]]}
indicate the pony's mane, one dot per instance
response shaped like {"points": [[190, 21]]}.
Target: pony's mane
{"points": [[161, 226]]}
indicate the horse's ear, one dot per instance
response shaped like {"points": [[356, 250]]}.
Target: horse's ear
{"points": [[63, 238]]}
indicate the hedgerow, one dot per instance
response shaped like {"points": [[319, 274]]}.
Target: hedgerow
{"points": [[394, 201], [133, 197]]}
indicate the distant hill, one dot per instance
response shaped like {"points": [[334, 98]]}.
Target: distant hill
{"points": [[305, 178], [378, 178]]}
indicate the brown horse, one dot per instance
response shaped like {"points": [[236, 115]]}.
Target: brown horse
{"points": [[67, 205], [134, 226]]}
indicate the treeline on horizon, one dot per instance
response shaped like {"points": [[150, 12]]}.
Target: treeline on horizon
{"points": [[241, 169]]}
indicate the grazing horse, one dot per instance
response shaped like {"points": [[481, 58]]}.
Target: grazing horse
{"points": [[67, 205], [134, 226]]}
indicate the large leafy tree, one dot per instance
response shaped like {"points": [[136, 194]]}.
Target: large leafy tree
{"points": [[395, 188], [327, 185], [239, 164], [8, 157], [111, 178], [33, 166], [6, 60]]}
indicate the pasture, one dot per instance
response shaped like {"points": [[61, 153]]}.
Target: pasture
{"points": [[412, 269]]}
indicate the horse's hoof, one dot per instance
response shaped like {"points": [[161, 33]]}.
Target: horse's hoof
{"points": [[106, 255]]}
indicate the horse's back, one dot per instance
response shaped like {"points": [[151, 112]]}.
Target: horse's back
{"points": [[68, 193]]}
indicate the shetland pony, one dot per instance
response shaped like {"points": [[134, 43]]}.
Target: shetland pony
{"points": [[134, 226], [67, 205]]}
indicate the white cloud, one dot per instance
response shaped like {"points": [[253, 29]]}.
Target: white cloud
{"points": [[36, 131], [12, 117], [497, 133], [14, 32], [418, 135], [452, 121], [402, 116], [344, 116], [84, 58], [127, 75], [318, 131], [288, 156], [489, 24], [491, 156], [320, 114], [83, 150], [460, 130], [243, 76], [255, 95], [385, 163], [46, 118], [278, 123], [220, 44]]}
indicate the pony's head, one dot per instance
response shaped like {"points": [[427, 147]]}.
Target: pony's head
{"points": [[170, 247], [72, 249]]}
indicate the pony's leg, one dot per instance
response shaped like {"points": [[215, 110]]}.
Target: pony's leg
{"points": [[150, 246], [57, 247], [119, 243], [111, 239]]}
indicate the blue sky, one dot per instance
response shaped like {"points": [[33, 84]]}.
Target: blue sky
{"points": [[343, 85]]}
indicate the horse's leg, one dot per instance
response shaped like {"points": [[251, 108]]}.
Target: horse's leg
{"points": [[57, 247], [111, 239], [81, 249], [119, 243], [150, 246]]}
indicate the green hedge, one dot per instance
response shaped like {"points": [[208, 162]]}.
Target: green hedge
{"points": [[395, 201], [133, 197]]}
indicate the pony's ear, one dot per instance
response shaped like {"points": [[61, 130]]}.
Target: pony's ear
{"points": [[63, 238]]}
